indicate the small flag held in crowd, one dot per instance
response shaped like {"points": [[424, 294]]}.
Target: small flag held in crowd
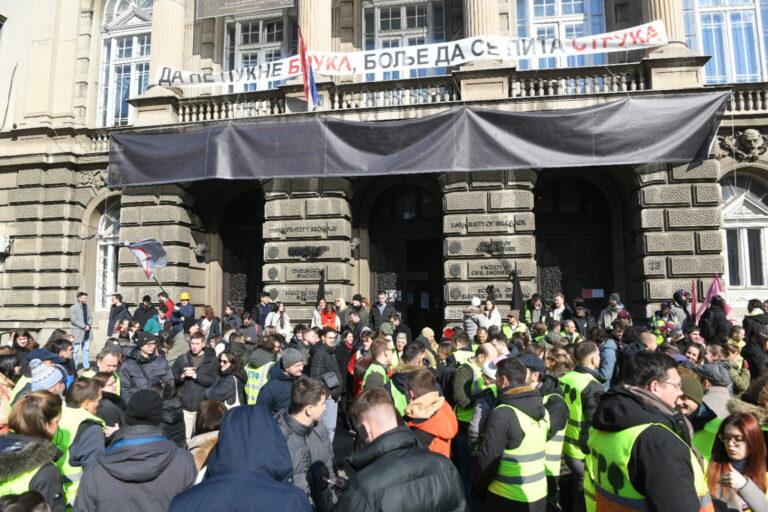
{"points": [[150, 254], [310, 88], [715, 289]]}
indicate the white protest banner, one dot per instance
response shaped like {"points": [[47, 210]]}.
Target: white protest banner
{"points": [[434, 55]]}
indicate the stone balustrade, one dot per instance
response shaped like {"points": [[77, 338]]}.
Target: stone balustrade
{"points": [[417, 91], [573, 81], [748, 98]]}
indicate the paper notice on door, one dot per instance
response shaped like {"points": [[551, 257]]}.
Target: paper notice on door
{"points": [[424, 300]]}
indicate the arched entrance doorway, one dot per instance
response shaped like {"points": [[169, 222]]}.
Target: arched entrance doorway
{"points": [[574, 250], [405, 229], [240, 229]]}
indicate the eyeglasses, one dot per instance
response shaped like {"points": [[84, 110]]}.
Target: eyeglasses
{"points": [[736, 438], [677, 385], [223, 361]]}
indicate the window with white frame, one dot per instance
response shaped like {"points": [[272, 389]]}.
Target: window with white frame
{"points": [[562, 19], [745, 222], [398, 24], [107, 245], [254, 41], [127, 43], [734, 33]]}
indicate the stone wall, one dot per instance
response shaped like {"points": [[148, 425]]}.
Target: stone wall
{"points": [[677, 231], [488, 225], [307, 233]]}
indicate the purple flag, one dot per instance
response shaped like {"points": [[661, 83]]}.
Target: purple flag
{"points": [[150, 254]]}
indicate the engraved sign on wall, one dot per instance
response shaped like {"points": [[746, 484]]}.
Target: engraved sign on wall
{"points": [[215, 8]]}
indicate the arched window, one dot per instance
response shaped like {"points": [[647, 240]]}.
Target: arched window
{"points": [[745, 220], [107, 245], [127, 42]]}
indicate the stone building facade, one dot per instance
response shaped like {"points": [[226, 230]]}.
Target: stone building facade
{"points": [[431, 241]]}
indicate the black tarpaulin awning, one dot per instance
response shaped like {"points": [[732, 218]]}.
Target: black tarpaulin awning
{"points": [[652, 128]]}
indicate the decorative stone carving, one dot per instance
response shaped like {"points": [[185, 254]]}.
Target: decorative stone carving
{"points": [[95, 179], [746, 146]]}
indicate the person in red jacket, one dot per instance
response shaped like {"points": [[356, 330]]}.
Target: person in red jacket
{"points": [[428, 414]]}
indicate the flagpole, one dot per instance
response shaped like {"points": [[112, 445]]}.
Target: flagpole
{"points": [[159, 284]]}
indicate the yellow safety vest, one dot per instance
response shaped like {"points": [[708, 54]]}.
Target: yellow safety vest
{"points": [[607, 486], [257, 379], [71, 419], [573, 384], [466, 415], [553, 451], [375, 367], [521, 475]]}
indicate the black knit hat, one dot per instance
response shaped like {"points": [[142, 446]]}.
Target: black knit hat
{"points": [[143, 337], [144, 408]]}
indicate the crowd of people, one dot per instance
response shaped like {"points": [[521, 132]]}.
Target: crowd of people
{"points": [[547, 409]]}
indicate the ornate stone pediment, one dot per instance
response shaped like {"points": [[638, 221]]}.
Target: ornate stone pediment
{"points": [[747, 146]]}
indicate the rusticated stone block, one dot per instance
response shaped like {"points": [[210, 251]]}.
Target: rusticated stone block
{"points": [[170, 275], [499, 270], [511, 200], [652, 173], [649, 219], [161, 233], [709, 242], [8, 179], [54, 297], [29, 211], [706, 194], [327, 207], [30, 177], [138, 197], [15, 263], [498, 223], [650, 266], [660, 243], [60, 245], [60, 227], [662, 289], [27, 195], [321, 228], [20, 298], [489, 246], [177, 254], [480, 180], [454, 181], [698, 266], [60, 177], [465, 201], [27, 228], [521, 178], [58, 262], [307, 250], [63, 211], [166, 214], [707, 170], [303, 293], [691, 218], [129, 216], [665, 195], [7, 213], [462, 293], [62, 195]]}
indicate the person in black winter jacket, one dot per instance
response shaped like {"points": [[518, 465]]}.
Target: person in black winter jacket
{"points": [[755, 321], [380, 312], [172, 416], [111, 407], [143, 367], [276, 393], [659, 465], [118, 311], [194, 372], [245, 474], [144, 311], [322, 364], [141, 469], [581, 316], [755, 355], [392, 471], [228, 387], [714, 322]]}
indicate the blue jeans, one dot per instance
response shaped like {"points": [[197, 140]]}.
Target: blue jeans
{"points": [[329, 416], [86, 361]]}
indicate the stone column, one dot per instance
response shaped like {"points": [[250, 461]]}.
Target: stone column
{"points": [[671, 12], [167, 35], [488, 226], [315, 20], [307, 235], [677, 231], [481, 18]]}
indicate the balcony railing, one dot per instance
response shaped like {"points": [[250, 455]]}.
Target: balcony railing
{"points": [[389, 93], [574, 81], [748, 98], [231, 106]]}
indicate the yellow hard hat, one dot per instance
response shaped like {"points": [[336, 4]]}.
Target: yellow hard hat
{"points": [[184, 296]]}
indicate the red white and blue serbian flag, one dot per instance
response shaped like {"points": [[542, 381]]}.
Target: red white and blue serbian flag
{"points": [[150, 254], [310, 88]]}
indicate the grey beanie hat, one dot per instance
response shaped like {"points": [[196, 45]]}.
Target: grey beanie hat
{"points": [[291, 356]]}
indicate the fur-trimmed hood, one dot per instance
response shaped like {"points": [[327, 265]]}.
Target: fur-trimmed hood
{"points": [[737, 405], [20, 454]]}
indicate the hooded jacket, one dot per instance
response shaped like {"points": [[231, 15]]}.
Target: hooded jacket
{"points": [[139, 372], [172, 422], [21, 454], [143, 313], [433, 421], [660, 462], [324, 361], [713, 322], [192, 391], [228, 388], [141, 470], [111, 409], [474, 319], [245, 474], [117, 313], [503, 432], [754, 323], [680, 309], [276, 393], [394, 473], [312, 456]]}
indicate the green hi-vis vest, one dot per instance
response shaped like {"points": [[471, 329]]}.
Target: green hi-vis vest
{"points": [[466, 415], [704, 439], [375, 367], [91, 373], [553, 451], [521, 475], [609, 487], [23, 381], [462, 356], [18, 485], [257, 378], [71, 418], [508, 331], [573, 384], [398, 397]]}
